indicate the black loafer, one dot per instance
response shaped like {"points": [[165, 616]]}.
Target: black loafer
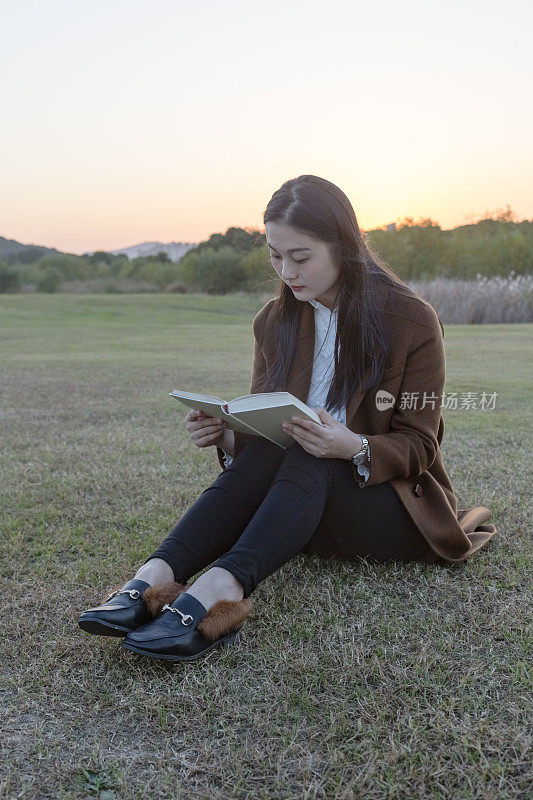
{"points": [[129, 608], [123, 611], [175, 636]]}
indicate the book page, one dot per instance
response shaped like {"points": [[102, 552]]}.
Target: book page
{"points": [[260, 399], [268, 421], [265, 400], [213, 407], [179, 394]]}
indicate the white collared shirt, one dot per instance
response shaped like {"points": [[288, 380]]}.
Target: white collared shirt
{"points": [[323, 359], [323, 369]]}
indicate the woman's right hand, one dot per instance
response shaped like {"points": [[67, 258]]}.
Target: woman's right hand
{"points": [[203, 430]]}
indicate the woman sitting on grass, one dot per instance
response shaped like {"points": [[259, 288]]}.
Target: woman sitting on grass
{"points": [[343, 334]]}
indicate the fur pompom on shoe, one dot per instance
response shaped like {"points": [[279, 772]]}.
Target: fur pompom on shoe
{"points": [[223, 617], [159, 594]]}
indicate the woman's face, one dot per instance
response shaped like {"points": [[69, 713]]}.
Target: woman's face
{"points": [[303, 263]]}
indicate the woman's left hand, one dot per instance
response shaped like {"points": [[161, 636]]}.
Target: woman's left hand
{"points": [[330, 440]]}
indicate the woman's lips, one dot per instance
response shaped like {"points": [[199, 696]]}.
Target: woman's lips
{"points": [[296, 288]]}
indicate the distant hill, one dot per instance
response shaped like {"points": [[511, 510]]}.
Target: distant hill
{"points": [[174, 250], [11, 250]]}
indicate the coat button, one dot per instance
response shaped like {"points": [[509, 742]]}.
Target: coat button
{"points": [[418, 490]]}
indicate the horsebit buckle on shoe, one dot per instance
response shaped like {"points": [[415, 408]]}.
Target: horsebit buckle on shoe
{"points": [[133, 593], [186, 619]]}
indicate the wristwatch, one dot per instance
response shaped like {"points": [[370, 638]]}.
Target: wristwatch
{"points": [[360, 457]]}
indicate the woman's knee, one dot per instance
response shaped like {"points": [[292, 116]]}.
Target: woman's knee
{"points": [[295, 453], [255, 465], [301, 466], [259, 451]]}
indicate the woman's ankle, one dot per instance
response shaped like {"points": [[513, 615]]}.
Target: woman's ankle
{"points": [[214, 585], [155, 571]]}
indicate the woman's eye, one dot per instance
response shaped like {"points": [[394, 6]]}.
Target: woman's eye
{"points": [[295, 261]]}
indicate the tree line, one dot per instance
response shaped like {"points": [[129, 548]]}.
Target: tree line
{"points": [[238, 260]]}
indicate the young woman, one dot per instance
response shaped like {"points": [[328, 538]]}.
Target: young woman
{"points": [[347, 335]]}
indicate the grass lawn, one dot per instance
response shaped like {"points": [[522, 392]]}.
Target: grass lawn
{"points": [[351, 680]]}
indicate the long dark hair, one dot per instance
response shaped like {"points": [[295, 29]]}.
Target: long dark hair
{"points": [[320, 209]]}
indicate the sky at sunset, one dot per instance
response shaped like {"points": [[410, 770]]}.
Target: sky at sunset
{"points": [[126, 121]]}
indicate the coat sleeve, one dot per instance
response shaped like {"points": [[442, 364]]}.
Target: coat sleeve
{"points": [[258, 370], [412, 445]]}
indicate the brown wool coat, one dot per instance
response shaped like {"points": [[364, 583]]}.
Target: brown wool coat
{"points": [[404, 443]]}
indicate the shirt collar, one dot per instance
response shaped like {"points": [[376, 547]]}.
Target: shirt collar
{"points": [[320, 307]]}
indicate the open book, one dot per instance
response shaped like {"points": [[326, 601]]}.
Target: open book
{"points": [[261, 414]]}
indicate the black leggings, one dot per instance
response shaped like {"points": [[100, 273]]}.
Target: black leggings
{"points": [[271, 504]]}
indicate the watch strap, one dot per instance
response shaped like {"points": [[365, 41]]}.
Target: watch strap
{"points": [[361, 456]]}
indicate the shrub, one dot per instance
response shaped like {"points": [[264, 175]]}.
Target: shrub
{"points": [[9, 278], [214, 271], [259, 275], [68, 267], [49, 281]]}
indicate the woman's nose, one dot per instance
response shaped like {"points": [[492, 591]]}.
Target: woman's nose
{"points": [[287, 272]]}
